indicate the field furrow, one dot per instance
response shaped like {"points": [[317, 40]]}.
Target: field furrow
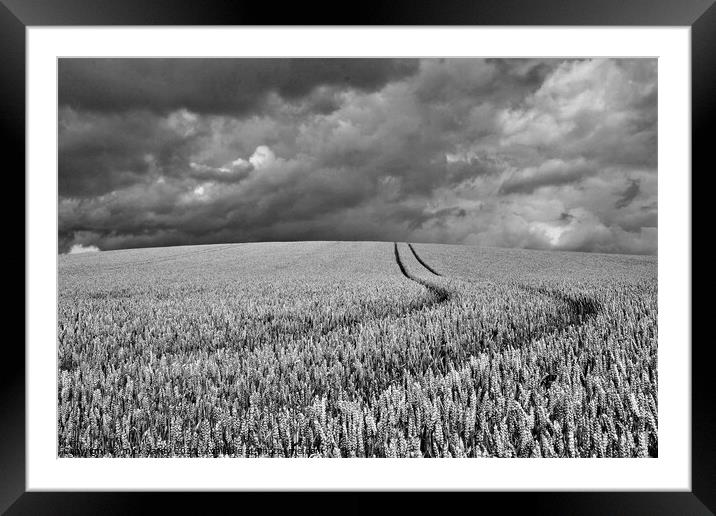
{"points": [[439, 292], [417, 257]]}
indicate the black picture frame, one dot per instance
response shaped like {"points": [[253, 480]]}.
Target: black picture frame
{"points": [[17, 15]]}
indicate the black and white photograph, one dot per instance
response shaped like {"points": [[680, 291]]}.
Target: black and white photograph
{"points": [[357, 257]]}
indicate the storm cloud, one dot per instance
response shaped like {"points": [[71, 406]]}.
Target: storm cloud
{"points": [[549, 153], [216, 86]]}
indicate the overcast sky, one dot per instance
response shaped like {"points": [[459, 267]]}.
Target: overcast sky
{"points": [[546, 154]]}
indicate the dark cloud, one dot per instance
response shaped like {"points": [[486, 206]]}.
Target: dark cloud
{"points": [[472, 167], [550, 173], [216, 86], [628, 195], [448, 80], [506, 152], [99, 154]]}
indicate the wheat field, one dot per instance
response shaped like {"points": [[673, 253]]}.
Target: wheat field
{"points": [[356, 349]]}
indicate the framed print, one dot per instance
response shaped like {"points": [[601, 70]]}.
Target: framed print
{"points": [[293, 257]]}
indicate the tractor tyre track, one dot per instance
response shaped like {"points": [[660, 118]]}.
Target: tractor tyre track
{"points": [[441, 294], [422, 262], [576, 311]]}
